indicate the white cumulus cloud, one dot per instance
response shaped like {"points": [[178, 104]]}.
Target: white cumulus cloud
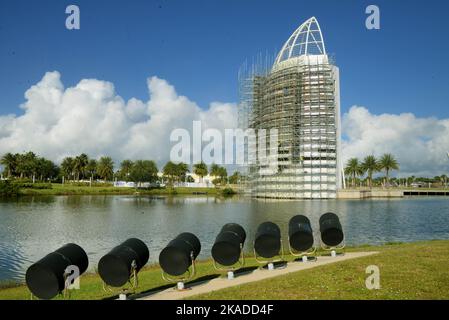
{"points": [[92, 118], [419, 144]]}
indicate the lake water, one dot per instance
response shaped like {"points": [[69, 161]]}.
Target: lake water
{"points": [[31, 227]]}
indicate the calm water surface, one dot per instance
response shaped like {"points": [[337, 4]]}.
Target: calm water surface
{"points": [[34, 226]]}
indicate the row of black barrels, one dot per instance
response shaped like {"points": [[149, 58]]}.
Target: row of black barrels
{"points": [[47, 277]]}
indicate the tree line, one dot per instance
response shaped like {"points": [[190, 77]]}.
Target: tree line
{"points": [[356, 169], [30, 166]]}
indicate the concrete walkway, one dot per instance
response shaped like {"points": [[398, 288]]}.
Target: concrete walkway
{"points": [[256, 275]]}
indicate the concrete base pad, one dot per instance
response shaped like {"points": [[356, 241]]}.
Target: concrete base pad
{"points": [[256, 275]]}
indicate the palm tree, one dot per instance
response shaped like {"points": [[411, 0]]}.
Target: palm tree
{"points": [[143, 171], [200, 169], [219, 172], [370, 166], [223, 175], [387, 162], [170, 172], [235, 177], [9, 161], [181, 171], [46, 169], [105, 168], [214, 170], [27, 164], [353, 169], [91, 168], [125, 168], [67, 167], [410, 180], [443, 179], [79, 165]]}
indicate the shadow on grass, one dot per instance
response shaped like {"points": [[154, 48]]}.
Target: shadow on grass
{"points": [[152, 291], [309, 259], [277, 265], [328, 254], [245, 270]]}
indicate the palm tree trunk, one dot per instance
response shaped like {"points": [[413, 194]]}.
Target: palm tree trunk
{"points": [[388, 180]]}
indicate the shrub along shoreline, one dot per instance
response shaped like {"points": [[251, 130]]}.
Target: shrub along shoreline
{"points": [[14, 189]]}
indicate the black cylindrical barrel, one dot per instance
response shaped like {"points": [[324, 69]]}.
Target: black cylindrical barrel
{"points": [[176, 258], [115, 268], [300, 233], [331, 230], [267, 243], [227, 247], [45, 278]]}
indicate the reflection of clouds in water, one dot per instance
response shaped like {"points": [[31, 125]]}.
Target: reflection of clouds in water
{"points": [[33, 227]]}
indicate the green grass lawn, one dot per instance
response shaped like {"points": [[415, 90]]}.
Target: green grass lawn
{"points": [[407, 271], [68, 189]]}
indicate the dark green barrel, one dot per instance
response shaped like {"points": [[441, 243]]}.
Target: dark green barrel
{"points": [[300, 233], [331, 229], [267, 243], [116, 267], [227, 247], [176, 258], [45, 278]]}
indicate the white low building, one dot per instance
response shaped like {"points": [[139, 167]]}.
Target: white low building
{"points": [[198, 182]]}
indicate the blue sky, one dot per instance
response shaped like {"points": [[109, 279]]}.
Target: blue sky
{"points": [[198, 47]]}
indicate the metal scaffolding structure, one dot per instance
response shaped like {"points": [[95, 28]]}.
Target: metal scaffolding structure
{"points": [[299, 96]]}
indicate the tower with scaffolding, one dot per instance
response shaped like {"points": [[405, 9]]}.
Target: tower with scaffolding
{"points": [[299, 95]]}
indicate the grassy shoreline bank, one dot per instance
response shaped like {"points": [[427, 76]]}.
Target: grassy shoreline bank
{"points": [[58, 189], [67, 189], [407, 271]]}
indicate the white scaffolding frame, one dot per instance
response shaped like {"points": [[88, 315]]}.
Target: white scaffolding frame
{"points": [[298, 95]]}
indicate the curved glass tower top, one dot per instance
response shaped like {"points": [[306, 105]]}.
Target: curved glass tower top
{"points": [[306, 40]]}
